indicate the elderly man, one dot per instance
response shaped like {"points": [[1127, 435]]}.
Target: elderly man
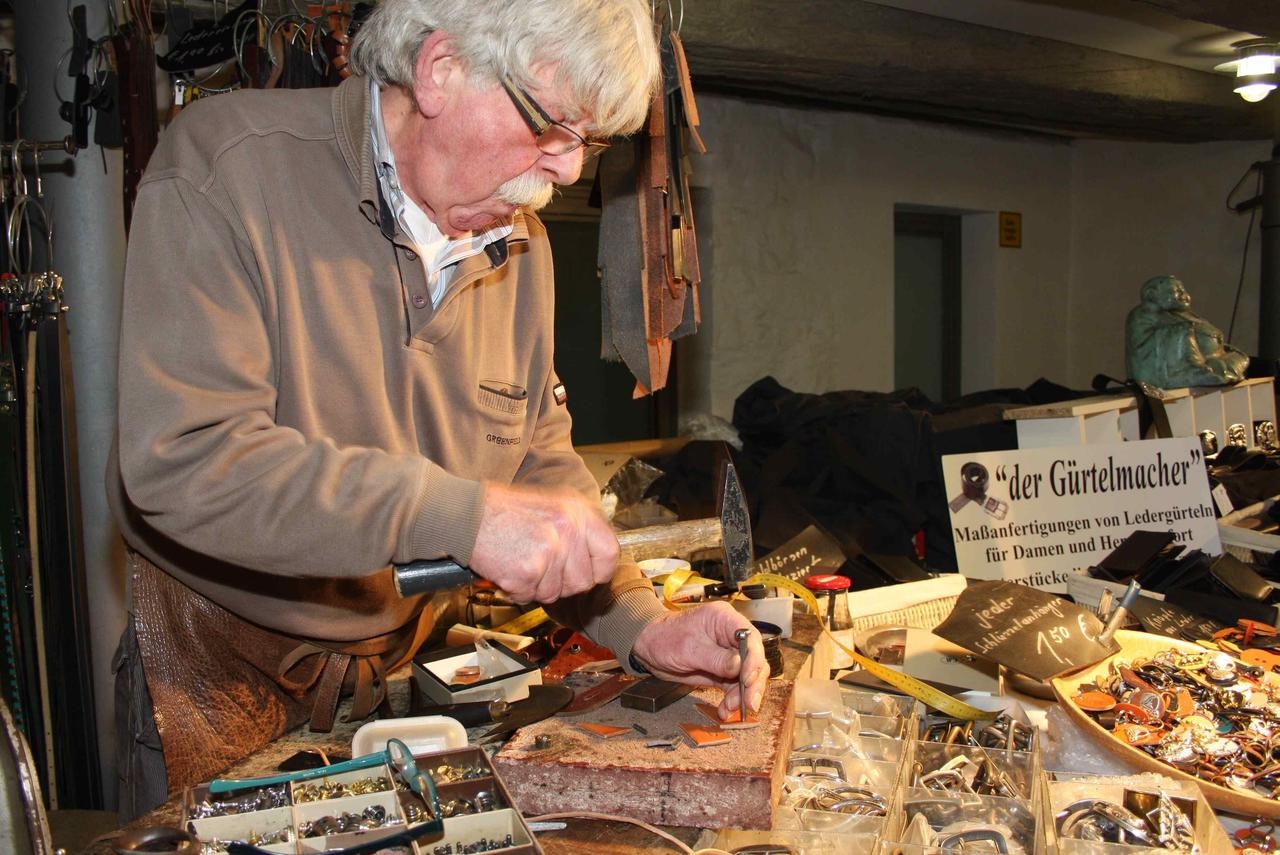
{"points": [[337, 355]]}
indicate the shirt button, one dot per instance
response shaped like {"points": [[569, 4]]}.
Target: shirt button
{"points": [[411, 255], [419, 301]]}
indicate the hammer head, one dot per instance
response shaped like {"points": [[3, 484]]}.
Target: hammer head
{"points": [[735, 525]]}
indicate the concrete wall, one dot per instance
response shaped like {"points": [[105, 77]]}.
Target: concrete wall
{"points": [[1142, 210], [799, 277]]}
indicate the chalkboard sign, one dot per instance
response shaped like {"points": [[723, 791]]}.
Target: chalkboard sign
{"points": [[1031, 631], [811, 551], [1173, 621]]}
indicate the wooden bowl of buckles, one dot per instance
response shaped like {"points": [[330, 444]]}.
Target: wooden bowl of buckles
{"points": [[1193, 714]]}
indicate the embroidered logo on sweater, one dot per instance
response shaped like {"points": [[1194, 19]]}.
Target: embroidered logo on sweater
{"points": [[558, 392]]}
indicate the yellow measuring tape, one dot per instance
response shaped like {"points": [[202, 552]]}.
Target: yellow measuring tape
{"points": [[922, 692], [524, 623]]}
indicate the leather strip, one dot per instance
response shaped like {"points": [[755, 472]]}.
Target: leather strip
{"points": [[329, 691]]}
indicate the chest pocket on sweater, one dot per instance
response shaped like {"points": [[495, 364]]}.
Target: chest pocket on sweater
{"points": [[506, 404]]}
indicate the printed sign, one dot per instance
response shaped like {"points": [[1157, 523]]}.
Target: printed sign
{"points": [[1035, 515], [1011, 229], [1032, 632]]}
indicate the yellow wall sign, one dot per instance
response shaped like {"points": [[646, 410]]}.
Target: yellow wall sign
{"points": [[1011, 229]]}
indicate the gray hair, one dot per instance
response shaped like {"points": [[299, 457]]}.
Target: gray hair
{"points": [[605, 53]]}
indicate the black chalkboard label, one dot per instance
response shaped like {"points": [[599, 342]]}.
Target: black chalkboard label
{"points": [[1173, 621], [1031, 631], [811, 551]]}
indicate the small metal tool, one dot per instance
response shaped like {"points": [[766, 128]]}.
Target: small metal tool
{"points": [[1119, 613], [742, 635]]}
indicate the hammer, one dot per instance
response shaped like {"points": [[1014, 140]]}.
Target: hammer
{"points": [[732, 530]]}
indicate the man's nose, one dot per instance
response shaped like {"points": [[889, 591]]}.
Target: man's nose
{"points": [[563, 169]]}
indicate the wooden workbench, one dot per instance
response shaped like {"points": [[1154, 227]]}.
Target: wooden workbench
{"points": [[581, 837]]}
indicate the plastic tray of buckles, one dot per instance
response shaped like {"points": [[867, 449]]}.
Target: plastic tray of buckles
{"points": [[271, 830], [262, 816], [868, 742], [844, 770], [795, 842], [477, 810], [1110, 815], [805, 831], [346, 808], [974, 769], [837, 793], [931, 821], [866, 702], [1004, 732]]}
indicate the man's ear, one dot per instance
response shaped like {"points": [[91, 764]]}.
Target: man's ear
{"points": [[437, 64]]}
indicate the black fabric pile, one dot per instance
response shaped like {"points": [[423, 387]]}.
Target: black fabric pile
{"points": [[864, 466]]}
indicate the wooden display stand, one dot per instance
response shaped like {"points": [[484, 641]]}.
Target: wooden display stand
{"points": [[1114, 418], [1083, 421]]}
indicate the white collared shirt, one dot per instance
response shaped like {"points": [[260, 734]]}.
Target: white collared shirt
{"points": [[439, 254]]}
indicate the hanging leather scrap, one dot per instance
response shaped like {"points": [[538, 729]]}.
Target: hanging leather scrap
{"points": [[648, 222], [134, 51]]}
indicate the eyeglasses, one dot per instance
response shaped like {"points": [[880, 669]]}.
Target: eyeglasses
{"points": [[554, 138]]}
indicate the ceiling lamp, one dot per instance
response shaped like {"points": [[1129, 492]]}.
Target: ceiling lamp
{"points": [[1254, 67]]}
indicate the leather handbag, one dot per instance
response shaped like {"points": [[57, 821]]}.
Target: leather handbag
{"points": [[222, 687]]}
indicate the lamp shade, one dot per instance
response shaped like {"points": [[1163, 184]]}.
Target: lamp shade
{"points": [[1254, 66]]}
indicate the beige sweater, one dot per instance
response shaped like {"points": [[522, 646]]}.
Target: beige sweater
{"points": [[294, 415]]}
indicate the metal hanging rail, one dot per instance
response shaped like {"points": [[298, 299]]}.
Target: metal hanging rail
{"points": [[66, 144]]}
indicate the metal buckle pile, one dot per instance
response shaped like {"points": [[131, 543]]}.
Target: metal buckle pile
{"points": [[970, 822], [964, 774], [215, 846], [373, 816], [338, 790], [1145, 819], [817, 782], [1256, 838], [39, 295], [481, 802], [264, 798], [1205, 714], [446, 774], [483, 844], [1003, 733]]}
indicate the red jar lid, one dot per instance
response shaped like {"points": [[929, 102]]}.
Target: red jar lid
{"points": [[827, 582]]}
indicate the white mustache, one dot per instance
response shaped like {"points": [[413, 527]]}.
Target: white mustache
{"points": [[527, 191]]}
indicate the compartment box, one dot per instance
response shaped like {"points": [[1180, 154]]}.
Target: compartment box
{"points": [[386, 803], [1017, 768], [271, 830], [1018, 819], [1066, 788], [505, 826]]}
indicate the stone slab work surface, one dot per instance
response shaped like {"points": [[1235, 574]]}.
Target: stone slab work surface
{"points": [[735, 785]]}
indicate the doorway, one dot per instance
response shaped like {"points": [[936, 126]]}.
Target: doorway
{"points": [[926, 303]]}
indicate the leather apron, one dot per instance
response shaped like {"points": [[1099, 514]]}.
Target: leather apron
{"points": [[222, 687]]}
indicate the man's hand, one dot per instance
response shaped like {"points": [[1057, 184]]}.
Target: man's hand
{"points": [[697, 646], [542, 545]]}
